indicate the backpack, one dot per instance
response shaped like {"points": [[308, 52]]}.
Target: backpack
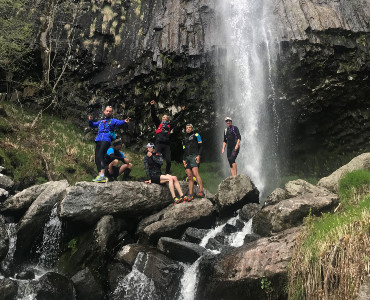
{"points": [[111, 132]]}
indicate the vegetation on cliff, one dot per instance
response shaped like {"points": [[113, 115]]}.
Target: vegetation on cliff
{"points": [[332, 255]]}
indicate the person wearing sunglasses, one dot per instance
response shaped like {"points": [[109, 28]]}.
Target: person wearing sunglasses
{"points": [[232, 140], [153, 161], [104, 138]]}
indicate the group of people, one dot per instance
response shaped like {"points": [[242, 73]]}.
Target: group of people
{"points": [[108, 152]]}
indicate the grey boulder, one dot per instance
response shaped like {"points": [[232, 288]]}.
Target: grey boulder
{"points": [[174, 219], [6, 182], [234, 192]]}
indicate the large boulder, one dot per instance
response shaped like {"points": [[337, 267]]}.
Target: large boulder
{"points": [[249, 211], [53, 286], [291, 212], [359, 162], [180, 250], [88, 202], [21, 201], [234, 192], [6, 182], [194, 235], [87, 287], [153, 276], [32, 223], [237, 274], [276, 196], [174, 219]]}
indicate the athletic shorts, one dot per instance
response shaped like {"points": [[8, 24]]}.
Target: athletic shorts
{"points": [[156, 179], [190, 162]]}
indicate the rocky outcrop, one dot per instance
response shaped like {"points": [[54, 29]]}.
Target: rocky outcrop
{"points": [[173, 220], [331, 182], [21, 201], [291, 212], [87, 202], [238, 273], [234, 192], [53, 286]]}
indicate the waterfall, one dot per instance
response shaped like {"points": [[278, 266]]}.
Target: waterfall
{"points": [[49, 249], [11, 229], [248, 93], [136, 285], [189, 280]]}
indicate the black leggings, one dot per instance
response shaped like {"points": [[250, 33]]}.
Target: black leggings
{"points": [[231, 155], [100, 151], [165, 150]]}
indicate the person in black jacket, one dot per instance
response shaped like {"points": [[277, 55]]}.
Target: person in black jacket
{"points": [[232, 139], [163, 131], [153, 162], [192, 145], [112, 159]]}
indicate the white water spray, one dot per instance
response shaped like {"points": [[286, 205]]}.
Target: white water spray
{"points": [[247, 85]]}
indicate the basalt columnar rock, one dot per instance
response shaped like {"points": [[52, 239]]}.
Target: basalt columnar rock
{"points": [[323, 81]]}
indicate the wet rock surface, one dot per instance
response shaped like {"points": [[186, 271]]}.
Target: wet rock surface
{"points": [[53, 286], [237, 274], [86, 286]]}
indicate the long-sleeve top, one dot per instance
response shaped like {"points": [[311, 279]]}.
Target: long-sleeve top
{"points": [[192, 144], [164, 129], [153, 164], [104, 126], [231, 136]]}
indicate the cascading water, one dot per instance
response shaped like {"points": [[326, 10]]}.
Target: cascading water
{"points": [[189, 280], [49, 249], [12, 234], [136, 285], [248, 95]]}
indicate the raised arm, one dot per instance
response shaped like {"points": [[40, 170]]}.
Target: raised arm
{"points": [[154, 114]]}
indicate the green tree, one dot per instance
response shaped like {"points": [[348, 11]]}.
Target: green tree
{"points": [[15, 36]]}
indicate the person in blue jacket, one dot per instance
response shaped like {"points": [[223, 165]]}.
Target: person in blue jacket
{"points": [[104, 138]]}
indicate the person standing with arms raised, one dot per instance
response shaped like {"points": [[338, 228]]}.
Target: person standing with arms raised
{"points": [[104, 138], [232, 139], [164, 127]]}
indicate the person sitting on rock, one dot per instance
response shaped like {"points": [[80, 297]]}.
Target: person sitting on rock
{"points": [[163, 131], [112, 158], [192, 145], [153, 162]]}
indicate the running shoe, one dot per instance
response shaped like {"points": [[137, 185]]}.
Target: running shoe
{"points": [[188, 198], [201, 194], [177, 200], [100, 179]]}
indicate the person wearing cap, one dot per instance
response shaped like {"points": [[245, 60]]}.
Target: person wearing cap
{"points": [[104, 138], [112, 158], [192, 145], [232, 139], [164, 127], [153, 162]]}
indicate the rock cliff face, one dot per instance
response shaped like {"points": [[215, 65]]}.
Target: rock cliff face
{"points": [[323, 79], [125, 53]]}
